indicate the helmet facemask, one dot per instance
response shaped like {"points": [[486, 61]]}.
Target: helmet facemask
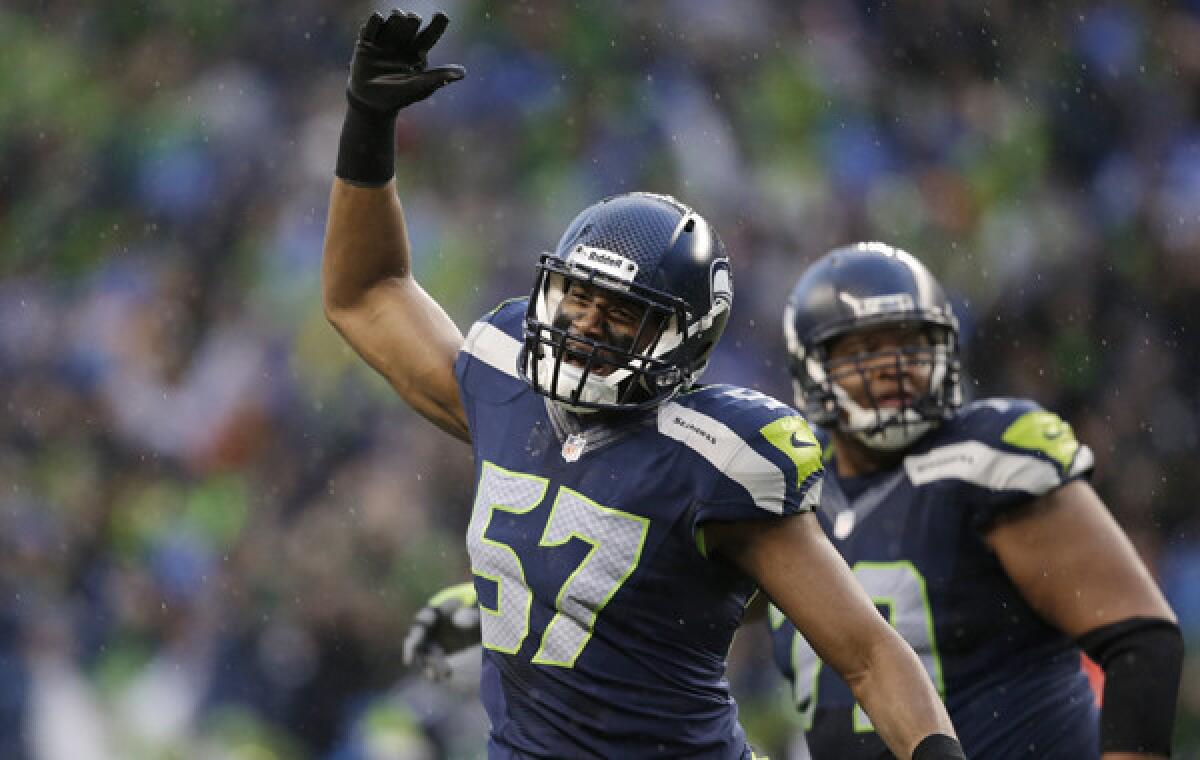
{"points": [[910, 412], [850, 294], [588, 374]]}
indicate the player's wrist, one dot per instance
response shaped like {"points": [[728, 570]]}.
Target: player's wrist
{"points": [[367, 148], [938, 747]]}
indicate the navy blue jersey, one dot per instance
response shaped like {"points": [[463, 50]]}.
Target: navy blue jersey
{"points": [[914, 536], [605, 627]]}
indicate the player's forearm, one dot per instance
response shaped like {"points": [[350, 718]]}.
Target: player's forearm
{"points": [[898, 696], [365, 243]]}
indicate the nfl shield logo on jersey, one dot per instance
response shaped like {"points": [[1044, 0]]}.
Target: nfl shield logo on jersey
{"points": [[573, 447]]}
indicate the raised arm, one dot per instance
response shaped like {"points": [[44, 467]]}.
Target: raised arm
{"points": [[808, 580], [367, 283], [1075, 566]]}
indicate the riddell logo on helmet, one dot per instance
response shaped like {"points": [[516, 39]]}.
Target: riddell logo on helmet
{"points": [[605, 262], [865, 307]]}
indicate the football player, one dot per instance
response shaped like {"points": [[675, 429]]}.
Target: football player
{"points": [[623, 514], [974, 530]]}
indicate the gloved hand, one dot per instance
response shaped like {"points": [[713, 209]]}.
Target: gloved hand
{"points": [[389, 69], [448, 623]]}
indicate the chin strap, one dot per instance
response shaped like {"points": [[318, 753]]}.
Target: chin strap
{"points": [[883, 429], [596, 390]]}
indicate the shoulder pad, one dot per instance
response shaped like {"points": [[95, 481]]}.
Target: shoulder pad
{"points": [[1003, 444], [760, 443], [495, 339], [486, 367], [1043, 432], [1020, 424]]}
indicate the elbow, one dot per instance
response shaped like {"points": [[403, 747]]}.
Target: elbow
{"points": [[336, 316], [860, 671], [334, 311], [873, 661], [337, 301]]}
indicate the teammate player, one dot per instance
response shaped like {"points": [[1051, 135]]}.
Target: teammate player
{"points": [[974, 531], [623, 515]]}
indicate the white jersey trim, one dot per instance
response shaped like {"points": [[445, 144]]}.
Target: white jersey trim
{"points": [[982, 465], [1084, 461], [493, 347], [728, 452]]}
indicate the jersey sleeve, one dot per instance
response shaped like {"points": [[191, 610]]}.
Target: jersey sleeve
{"points": [[486, 365], [767, 461], [1011, 453]]}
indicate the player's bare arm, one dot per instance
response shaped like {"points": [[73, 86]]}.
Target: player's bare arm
{"points": [[1092, 579], [804, 576], [1077, 568], [368, 288]]}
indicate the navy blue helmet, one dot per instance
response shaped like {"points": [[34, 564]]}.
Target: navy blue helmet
{"points": [[861, 286], [648, 250]]}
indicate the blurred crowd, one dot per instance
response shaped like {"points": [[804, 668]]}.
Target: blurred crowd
{"points": [[215, 521]]}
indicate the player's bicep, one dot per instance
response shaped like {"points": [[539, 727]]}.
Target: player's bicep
{"points": [[1074, 564], [408, 338]]}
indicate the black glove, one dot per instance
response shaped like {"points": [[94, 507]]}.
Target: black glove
{"points": [[448, 623], [388, 72]]}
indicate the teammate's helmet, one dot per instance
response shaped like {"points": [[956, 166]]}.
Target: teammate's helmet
{"points": [[649, 250], [862, 286]]}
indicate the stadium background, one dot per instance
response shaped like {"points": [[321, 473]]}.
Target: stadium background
{"points": [[215, 522]]}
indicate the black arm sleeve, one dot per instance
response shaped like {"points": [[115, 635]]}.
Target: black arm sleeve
{"points": [[1142, 659]]}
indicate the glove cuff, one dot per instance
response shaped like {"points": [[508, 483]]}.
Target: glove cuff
{"points": [[367, 149]]}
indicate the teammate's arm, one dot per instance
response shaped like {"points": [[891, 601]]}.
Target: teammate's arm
{"points": [[1076, 567], [368, 289], [807, 579]]}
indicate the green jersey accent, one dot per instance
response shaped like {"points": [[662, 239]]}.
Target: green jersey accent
{"points": [[794, 437], [1045, 432]]}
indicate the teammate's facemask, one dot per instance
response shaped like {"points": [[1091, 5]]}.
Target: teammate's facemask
{"points": [[659, 277], [854, 289]]}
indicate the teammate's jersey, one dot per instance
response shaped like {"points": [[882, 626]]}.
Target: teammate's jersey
{"points": [[605, 627], [914, 536]]}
